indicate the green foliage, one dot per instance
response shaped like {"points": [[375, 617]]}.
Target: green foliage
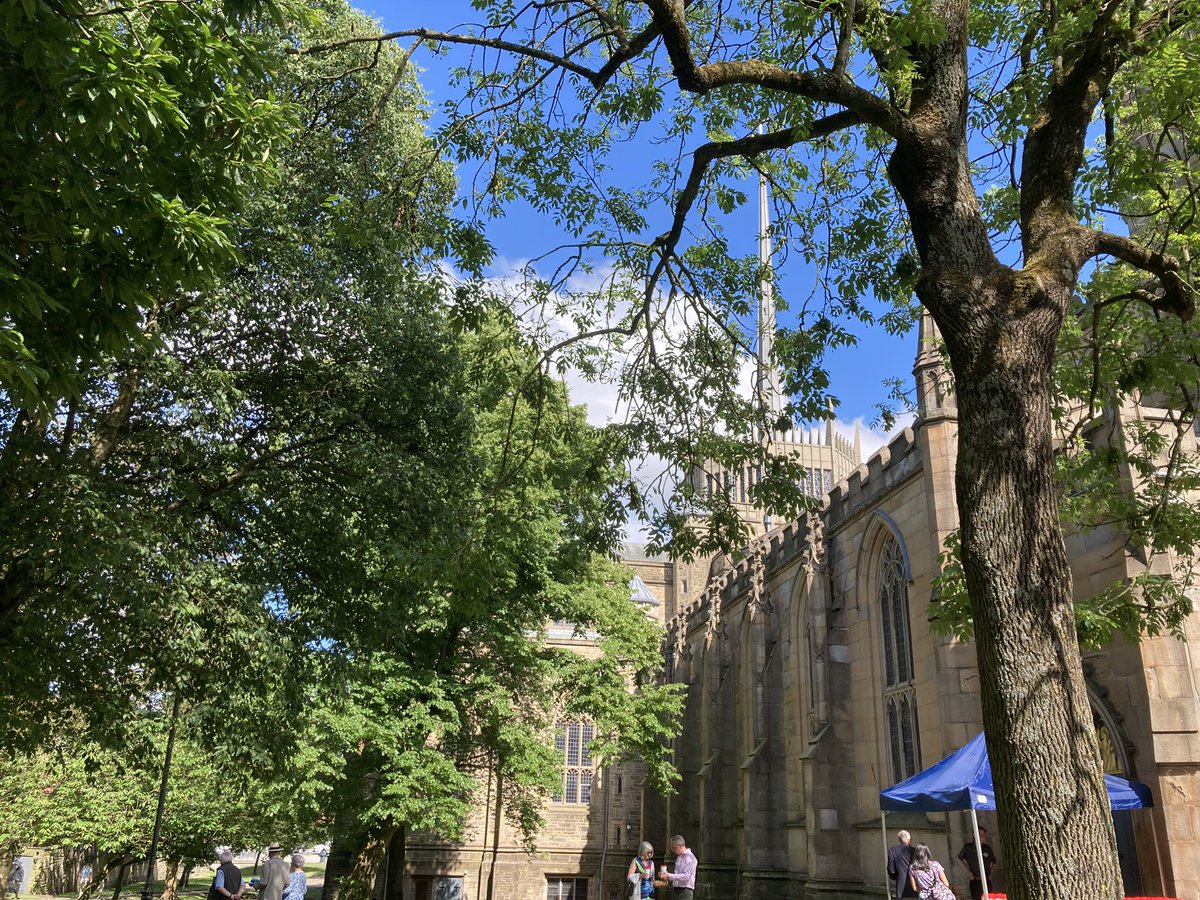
{"points": [[137, 559], [74, 793], [1129, 476], [439, 676], [131, 140], [330, 501]]}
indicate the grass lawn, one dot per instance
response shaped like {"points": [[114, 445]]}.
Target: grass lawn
{"points": [[200, 882]]}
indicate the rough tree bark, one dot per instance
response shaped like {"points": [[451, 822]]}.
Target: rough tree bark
{"points": [[1000, 328], [359, 882], [171, 884]]}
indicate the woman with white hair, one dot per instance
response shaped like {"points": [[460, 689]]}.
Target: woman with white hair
{"points": [[640, 876], [297, 885]]}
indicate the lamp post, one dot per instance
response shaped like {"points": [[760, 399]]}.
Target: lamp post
{"points": [[152, 860]]}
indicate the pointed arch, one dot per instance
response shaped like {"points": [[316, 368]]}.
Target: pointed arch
{"points": [[886, 575]]}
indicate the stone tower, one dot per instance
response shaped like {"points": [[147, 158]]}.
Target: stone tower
{"points": [[934, 385]]}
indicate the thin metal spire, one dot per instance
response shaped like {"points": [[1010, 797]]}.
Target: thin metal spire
{"points": [[768, 376]]}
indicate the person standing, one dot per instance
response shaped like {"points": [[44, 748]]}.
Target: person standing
{"points": [[899, 861], [641, 873], [297, 885], [15, 876], [85, 877], [227, 883], [970, 859], [274, 875], [683, 879], [927, 877]]}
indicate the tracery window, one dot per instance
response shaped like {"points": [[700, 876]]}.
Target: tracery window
{"points": [[571, 740], [899, 693]]}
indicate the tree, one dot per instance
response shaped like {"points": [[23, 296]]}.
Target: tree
{"points": [[134, 562], [74, 793], [327, 501], [973, 122], [132, 135], [440, 683]]}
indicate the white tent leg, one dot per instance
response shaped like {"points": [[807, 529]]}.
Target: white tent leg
{"points": [[979, 851], [1162, 882], [949, 842]]}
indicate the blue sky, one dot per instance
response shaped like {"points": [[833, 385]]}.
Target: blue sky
{"points": [[858, 373]]}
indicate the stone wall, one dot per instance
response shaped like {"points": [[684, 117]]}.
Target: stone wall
{"points": [[783, 751]]}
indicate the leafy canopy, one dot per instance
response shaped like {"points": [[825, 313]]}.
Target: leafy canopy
{"points": [[133, 134]]}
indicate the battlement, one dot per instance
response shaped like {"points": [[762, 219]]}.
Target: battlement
{"points": [[771, 551], [892, 464]]}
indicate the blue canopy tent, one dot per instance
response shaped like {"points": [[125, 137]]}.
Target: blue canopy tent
{"points": [[963, 780]]}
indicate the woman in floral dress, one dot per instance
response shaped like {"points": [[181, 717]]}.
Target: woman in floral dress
{"points": [[297, 884]]}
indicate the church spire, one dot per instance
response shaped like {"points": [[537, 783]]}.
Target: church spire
{"points": [[935, 387], [769, 391]]}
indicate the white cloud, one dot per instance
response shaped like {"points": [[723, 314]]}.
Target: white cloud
{"points": [[550, 318]]}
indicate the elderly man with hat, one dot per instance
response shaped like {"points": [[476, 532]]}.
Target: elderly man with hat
{"points": [[274, 875]]}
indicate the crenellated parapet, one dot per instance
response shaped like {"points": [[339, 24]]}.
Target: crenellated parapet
{"points": [[863, 488], [748, 574], [758, 560]]}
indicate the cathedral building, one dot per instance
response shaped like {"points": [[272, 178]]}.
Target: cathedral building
{"points": [[813, 681]]}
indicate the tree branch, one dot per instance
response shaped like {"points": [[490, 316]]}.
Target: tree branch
{"points": [[748, 146], [843, 49], [425, 34], [1169, 17], [825, 87], [1054, 147], [255, 465], [1178, 296], [640, 42], [668, 23]]}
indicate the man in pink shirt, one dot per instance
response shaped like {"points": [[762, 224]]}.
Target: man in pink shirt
{"points": [[683, 879]]}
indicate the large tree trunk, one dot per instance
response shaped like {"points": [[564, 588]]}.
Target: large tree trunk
{"points": [[1054, 819], [337, 867], [394, 882], [1000, 327], [359, 882], [103, 866], [120, 878], [171, 883]]}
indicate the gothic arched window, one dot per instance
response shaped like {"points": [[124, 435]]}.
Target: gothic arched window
{"points": [[571, 740], [899, 694]]}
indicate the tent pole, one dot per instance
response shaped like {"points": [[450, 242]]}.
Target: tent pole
{"points": [[979, 851], [1162, 882], [949, 839]]}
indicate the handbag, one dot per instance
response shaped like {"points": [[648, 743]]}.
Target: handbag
{"points": [[633, 890]]}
